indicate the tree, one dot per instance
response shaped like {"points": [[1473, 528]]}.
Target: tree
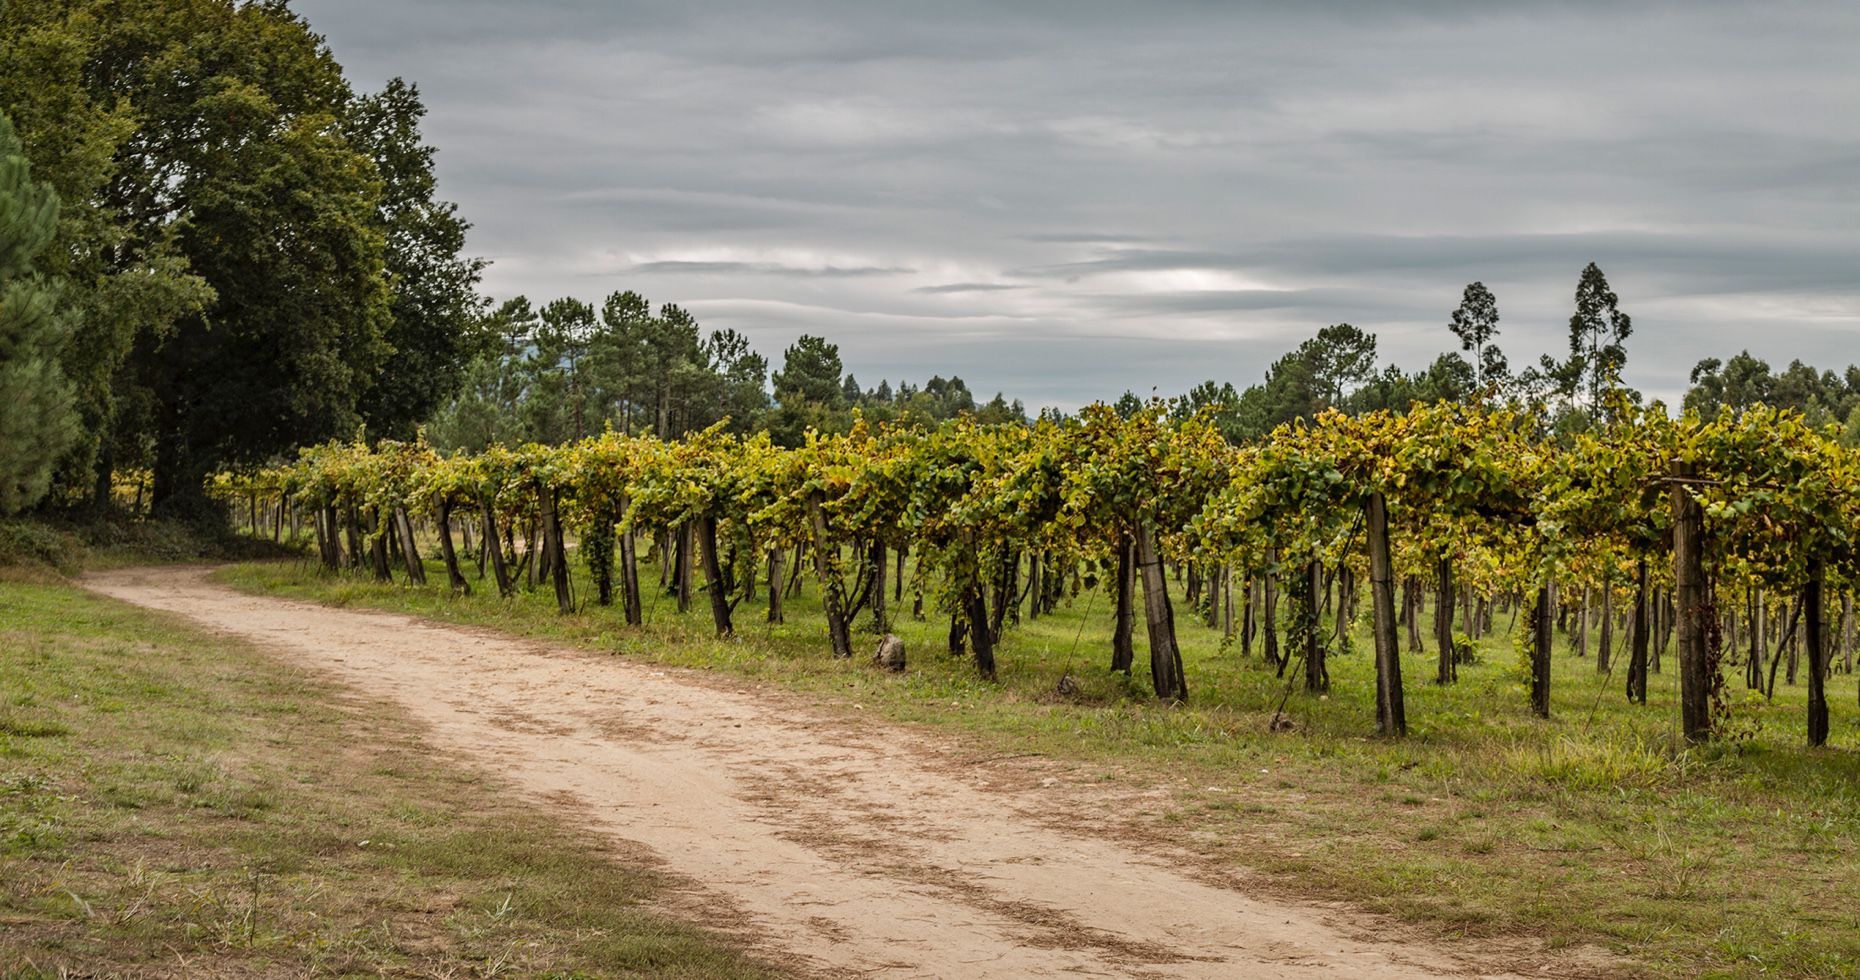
{"points": [[1221, 402], [38, 421], [489, 407], [435, 308], [742, 375], [1475, 323], [1737, 384], [675, 367], [1597, 331], [619, 357], [1292, 390], [126, 277], [999, 411], [1449, 378], [1340, 355], [562, 342], [231, 219], [810, 373]]}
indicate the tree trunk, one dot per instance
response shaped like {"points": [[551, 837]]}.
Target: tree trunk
{"points": [[492, 544], [897, 579], [455, 578], [1248, 622], [1447, 671], [1691, 610], [1007, 602], [1391, 716], [1165, 658], [1344, 587], [1582, 623], [327, 528], [713, 577], [1123, 650], [1604, 646], [662, 543], [378, 546], [1812, 596], [1317, 673], [776, 556], [1759, 640], [1035, 583], [629, 570], [1411, 602], [1227, 602], [795, 578], [1270, 626], [1637, 651], [353, 530], [416, 568], [552, 540], [979, 637], [528, 564], [880, 620], [1794, 639], [1665, 633], [832, 592], [1543, 620], [682, 566], [1847, 633]]}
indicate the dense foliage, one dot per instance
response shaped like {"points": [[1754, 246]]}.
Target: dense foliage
{"points": [[254, 257], [36, 418]]}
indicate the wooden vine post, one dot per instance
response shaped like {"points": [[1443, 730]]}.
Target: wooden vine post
{"points": [[552, 543], [1317, 673], [1165, 656], [493, 545], [1448, 671], [1689, 595], [629, 569], [1813, 596], [1123, 622], [1637, 654], [1543, 623], [1391, 720], [777, 584], [416, 569], [454, 577]]}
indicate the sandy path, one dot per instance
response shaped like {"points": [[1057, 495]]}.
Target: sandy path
{"points": [[855, 852]]}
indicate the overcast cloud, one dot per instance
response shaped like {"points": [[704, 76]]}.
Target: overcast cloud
{"points": [[1065, 200]]}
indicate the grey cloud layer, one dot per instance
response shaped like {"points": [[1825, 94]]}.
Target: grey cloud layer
{"points": [[1065, 200]]}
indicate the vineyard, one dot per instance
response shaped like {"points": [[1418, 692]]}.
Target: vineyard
{"points": [[1712, 548]]}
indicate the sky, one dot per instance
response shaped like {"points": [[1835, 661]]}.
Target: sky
{"points": [[1066, 200]]}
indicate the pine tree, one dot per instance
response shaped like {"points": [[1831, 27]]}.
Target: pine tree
{"points": [[37, 418], [1475, 323]]}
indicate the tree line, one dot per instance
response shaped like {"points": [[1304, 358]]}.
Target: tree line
{"points": [[568, 371]]}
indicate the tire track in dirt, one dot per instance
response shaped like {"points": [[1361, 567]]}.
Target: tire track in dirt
{"points": [[843, 846]]}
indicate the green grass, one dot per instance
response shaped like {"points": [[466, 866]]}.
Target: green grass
{"points": [[172, 803], [1594, 827]]}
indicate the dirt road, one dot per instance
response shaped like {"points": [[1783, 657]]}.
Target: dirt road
{"points": [[853, 847]]}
